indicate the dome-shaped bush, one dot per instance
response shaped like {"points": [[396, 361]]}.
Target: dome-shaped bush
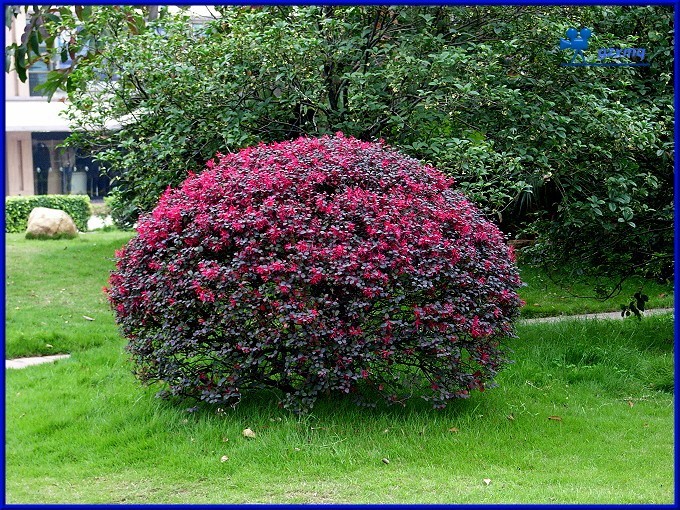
{"points": [[316, 266]]}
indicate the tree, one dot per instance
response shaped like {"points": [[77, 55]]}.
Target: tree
{"points": [[593, 145], [372, 72], [580, 158], [70, 37]]}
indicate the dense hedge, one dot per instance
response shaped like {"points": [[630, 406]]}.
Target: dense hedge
{"points": [[316, 266], [17, 209]]}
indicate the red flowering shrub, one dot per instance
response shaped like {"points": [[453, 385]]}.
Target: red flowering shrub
{"points": [[316, 266]]}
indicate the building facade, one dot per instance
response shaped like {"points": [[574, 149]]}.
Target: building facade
{"points": [[35, 161]]}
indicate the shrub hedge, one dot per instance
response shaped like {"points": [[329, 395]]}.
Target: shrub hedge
{"points": [[17, 209], [315, 267]]}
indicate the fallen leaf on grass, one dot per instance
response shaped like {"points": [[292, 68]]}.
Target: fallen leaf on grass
{"points": [[555, 418], [386, 461], [453, 429], [87, 318], [511, 417], [224, 458], [487, 481], [248, 434], [630, 403]]}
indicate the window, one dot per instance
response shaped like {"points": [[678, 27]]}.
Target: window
{"points": [[37, 73]]}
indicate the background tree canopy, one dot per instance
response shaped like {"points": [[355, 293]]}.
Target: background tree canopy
{"points": [[581, 159]]}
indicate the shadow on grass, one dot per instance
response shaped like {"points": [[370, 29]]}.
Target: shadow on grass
{"points": [[257, 405]]}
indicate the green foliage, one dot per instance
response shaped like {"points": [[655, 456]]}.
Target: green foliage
{"points": [[17, 209], [119, 214], [370, 72], [580, 158], [608, 205], [637, 306], [70, 37]]}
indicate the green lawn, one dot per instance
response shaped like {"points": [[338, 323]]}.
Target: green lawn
{"points": [[544, 298], [583, 415], [54, 300]]}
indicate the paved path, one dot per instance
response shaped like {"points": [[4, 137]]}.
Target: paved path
{"points": [[27, 362], [603, 315]]}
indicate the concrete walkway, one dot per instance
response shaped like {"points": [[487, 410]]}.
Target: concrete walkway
{"points": [[27, 362], [603, 315]]}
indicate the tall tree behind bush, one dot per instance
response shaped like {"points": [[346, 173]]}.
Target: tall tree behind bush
{"points": [[580, 157], [592, 146]]}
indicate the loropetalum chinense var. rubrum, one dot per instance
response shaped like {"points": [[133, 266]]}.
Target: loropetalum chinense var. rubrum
{"points": [[316, 266]]}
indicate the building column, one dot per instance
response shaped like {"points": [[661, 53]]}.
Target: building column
{"points": [[54, 182], [19, 164]]}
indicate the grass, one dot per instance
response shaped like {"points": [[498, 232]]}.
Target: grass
{"points": [[580, 417], [544, 298], [53, 289]]}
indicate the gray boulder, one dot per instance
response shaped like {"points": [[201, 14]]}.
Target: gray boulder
{"points": [[45, 223]]}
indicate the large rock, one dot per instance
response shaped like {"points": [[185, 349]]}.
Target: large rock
{"points": [[50, 224]]}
